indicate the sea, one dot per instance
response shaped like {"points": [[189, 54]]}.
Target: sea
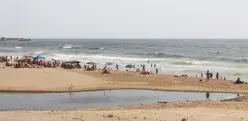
{"points": [[171, 56]]}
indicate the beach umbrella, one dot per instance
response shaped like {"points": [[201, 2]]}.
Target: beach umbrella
{"points": [[129, 66], [239, 73], [109, 63], [38, 57], [91, 63]]}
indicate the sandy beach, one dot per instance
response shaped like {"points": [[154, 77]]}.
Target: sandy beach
{"points": [[61, 80], [190, 111]]}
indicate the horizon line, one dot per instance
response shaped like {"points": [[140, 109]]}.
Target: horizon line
{"points": [[131, 38], [139, 38]]}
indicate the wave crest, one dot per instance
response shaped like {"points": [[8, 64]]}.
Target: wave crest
{"points": [[157, 54], [181, 62], [95, 48]]}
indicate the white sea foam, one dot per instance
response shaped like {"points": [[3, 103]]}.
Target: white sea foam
{"points": [[167, 65], [39, 52], [18, 47], [67, 47]]}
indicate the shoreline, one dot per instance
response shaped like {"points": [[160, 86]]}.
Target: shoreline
{"points": [[106, 89]]}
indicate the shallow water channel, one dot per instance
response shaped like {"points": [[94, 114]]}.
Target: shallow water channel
{"points": [[93, 99]]}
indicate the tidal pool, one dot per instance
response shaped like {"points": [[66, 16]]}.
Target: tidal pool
{"points": [[94, 99]]}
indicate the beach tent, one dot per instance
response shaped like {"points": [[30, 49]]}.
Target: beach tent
{"points": [[38, 57], [72, 62], [91, 63], [129, 66], [109, 63]]}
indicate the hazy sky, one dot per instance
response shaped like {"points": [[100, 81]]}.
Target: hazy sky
{"points": [[124, 18]]}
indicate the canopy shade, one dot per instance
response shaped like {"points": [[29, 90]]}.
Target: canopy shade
{"points": [[72, 61], [39, 57]]}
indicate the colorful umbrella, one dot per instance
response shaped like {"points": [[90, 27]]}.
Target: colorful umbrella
{"points": [[239, 73]]}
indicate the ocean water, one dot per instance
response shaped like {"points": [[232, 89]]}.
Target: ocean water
{"points": [[172, 56]]}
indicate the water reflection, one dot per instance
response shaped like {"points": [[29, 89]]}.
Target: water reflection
{"points": [[208, 96]]}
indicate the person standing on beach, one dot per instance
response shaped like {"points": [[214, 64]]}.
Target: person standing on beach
{"points": [[155, 66], [151, 65], [156, 70], [117, 67], [211, 75], [207, 74], [217, 75], [201, 75]]}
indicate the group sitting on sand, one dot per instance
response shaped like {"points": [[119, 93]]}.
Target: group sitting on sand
{"points": [[3, 58], [29, 62], [90, 67]]}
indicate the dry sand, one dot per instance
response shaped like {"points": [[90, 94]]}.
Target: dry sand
{"points": [[44, 79], [191, 111], [61, 80]]}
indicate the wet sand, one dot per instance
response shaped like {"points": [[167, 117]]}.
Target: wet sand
{"points": [[191, 111], [61, 80]]}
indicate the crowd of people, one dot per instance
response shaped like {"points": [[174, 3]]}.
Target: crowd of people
{"points": [[144, 71], [29, 62], [209, 75]]}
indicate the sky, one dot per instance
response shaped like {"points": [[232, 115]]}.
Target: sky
{"points": [[124, 18]]}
